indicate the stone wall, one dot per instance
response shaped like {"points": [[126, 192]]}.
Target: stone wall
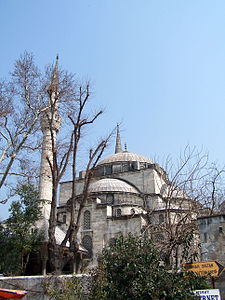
{"points": [[34, 285], [147, 181], [212, 233], [104, 227]]}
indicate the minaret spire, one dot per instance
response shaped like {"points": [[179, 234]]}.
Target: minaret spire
{"points": [[118, 147], [54, 85]]}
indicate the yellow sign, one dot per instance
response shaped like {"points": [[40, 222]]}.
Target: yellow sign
{"points": [[205, 268]]}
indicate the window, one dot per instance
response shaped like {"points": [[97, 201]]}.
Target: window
{"points": [[159, 237], [87, 243], [111, 242], [108, 169], [132, 211], [205, 237], [109, 199], [118, 212], [125, 167], [117, 168], [209, 221], [87, 220], [64, 219], [161, 218], [178, 217]]}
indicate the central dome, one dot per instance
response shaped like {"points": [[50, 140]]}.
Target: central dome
{"points": [[111, 185], [125, 157]]}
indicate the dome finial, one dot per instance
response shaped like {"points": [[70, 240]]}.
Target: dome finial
{"points": [[118, 148], [125, 150]]}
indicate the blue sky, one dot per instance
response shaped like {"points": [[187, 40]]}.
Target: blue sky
{"points": [[157, 66]]}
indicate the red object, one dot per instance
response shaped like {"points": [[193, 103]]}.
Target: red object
{"points": [[11, 294]]}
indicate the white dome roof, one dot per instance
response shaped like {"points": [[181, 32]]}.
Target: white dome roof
{"points": [[124, 157], [111, 185]]}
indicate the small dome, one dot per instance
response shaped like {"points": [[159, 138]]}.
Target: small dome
{"points": [[111, 185], [125, 157]]}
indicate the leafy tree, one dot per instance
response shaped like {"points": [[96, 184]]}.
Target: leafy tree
{"points": [[18, 236], [131, 269]]}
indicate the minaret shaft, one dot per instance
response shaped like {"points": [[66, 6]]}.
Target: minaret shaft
{"points": [[45, 182], [50, 125]]}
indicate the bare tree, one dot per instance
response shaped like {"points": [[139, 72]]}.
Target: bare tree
{"points": [[21, 106], [23, 98], [188, 189], [213, 190], [27, 97], [60, 254]]}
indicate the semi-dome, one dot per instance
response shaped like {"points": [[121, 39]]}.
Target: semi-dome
{"points": [[125, 157], [111, 185]]}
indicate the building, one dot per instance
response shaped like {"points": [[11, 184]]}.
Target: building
{"points": [[128, 193], [212, 234], [125, 187]]}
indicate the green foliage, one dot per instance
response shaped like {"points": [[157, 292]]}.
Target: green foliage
{"points": [[18, 237], [65, 288], [131, 269], [187, 242]]}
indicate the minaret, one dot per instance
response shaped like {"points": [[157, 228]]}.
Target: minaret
{"points": [[118, 148], [49, 118]]}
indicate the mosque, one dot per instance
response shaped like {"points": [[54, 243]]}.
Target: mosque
{"points": [[124, 187]]}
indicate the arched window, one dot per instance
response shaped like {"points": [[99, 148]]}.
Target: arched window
{"points": [[87, 243], [87, 220], [132, 211], [161, 218], [118, 212], [110, 242]]}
